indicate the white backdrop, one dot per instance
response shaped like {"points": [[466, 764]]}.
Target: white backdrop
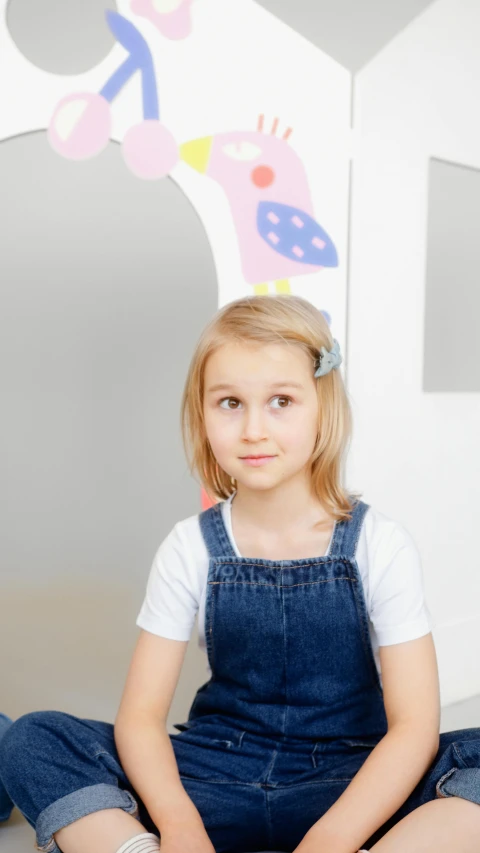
{"points": [[416, 454], [256, 65]]}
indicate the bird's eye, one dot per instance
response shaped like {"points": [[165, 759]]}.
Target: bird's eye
{"points": [[242, 150]]}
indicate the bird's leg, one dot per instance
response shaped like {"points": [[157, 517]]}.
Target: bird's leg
{"points": [[282, 285], [260, 289]]}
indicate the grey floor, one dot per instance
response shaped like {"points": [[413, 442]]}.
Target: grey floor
{"points": [[16, 836]]}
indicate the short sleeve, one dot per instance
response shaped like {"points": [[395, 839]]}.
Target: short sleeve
{"points": [[398, 608], [171, 599]]}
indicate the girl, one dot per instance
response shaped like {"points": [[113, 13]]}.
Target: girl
{"points": [[317, 730]]}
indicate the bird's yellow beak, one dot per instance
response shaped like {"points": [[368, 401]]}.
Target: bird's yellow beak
{"points": [[197, 153]]}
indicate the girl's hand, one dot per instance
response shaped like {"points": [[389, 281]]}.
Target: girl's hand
{"points": [[185, 838], [313, 842]]}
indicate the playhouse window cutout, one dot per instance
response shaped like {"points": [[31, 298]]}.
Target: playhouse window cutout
{"points": [[107, 282], [69, 37], [452, 294]]}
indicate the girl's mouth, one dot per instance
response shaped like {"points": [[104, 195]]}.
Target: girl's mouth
{"points": [[255, 461]]}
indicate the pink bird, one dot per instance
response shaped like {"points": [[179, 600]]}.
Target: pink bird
{"points": [[267, 188]]}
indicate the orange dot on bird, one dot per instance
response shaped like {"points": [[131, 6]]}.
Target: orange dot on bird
{"points": [[263, 176]]}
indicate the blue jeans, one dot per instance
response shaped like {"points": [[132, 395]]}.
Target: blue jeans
{"points": [[6, 805], [252, 793]]}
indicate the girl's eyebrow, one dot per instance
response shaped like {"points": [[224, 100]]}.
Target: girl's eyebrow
{"points": [[225, 386]]}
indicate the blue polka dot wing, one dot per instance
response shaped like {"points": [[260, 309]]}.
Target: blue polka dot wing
{"points": [[295, 234]]}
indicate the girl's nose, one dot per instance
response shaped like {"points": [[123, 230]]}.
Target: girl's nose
{"points": [[254, 426]]}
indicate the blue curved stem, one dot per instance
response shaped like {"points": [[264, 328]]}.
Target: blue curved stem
{"points": [[140, 59]]}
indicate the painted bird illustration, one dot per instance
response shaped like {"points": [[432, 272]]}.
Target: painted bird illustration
{"points": [[267, 188]]}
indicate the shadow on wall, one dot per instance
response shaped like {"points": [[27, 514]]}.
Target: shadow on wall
{"points": [[95, 340]]}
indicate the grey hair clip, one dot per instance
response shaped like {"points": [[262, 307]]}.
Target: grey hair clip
{"points": [[329, 360]]}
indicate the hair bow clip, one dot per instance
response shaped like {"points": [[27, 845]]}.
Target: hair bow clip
{"points": [[329, 360]]}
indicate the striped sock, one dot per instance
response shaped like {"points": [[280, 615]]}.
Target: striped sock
{"points": [[147, 842]]}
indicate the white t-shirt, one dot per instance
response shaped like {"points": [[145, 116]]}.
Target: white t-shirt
{"points": [[387, 558]]}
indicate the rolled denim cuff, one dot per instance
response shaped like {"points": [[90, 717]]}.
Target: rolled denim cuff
{"points": [[78, 804], [463, 782]]}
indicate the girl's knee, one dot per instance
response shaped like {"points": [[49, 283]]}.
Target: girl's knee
{"points": [[24, 734]]}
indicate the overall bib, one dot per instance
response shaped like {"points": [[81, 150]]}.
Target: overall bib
{"points": [[292, 709]]}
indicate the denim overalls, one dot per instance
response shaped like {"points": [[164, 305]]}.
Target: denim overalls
{"points": [[292, 710]]}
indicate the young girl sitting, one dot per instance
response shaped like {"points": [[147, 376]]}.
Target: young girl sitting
{"points": [[317, 730]]}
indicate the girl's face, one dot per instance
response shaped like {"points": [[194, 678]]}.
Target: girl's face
{"points": [[261, 400]]}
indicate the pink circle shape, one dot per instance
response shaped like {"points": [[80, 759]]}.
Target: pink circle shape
{"points": [[173, 20], [80, 126], [150, 150]]}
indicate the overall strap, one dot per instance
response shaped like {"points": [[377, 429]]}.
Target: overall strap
{"points": [[347, 532], [344, 543], [214, 532]]}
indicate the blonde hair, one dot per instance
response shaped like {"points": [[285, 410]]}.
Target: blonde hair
{"points": [[272, 320]]}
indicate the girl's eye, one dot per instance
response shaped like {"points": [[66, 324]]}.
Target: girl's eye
{"points": [[287, 399], [234, 399], [227, 400]]}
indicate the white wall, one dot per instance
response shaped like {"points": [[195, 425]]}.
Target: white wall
{"points": [[416, 454], [239, 62], [110, 500]]}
